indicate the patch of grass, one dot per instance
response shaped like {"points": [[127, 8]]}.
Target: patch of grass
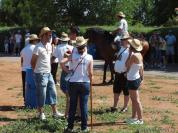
{"points": [[35, 126], [175, 93], [167, 120], [103, 97], [151, 83], [158, 98], [168, 77], [175, 101], [10, 88], [156, 87]]}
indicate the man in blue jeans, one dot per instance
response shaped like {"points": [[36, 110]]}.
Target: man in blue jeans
{"points": [[41, 64]]}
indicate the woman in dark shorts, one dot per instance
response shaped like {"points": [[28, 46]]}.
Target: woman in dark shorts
{"points": [[134, 80]]}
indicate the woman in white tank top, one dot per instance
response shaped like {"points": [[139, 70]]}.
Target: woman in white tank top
{"points": [[79, 82], [134, 80]]}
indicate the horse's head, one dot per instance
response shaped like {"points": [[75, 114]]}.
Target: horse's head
{"points": [[89, 34], [103, 40], [96, 35]]}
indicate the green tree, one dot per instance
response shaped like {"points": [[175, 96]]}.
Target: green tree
{"points": [[164, 10]]}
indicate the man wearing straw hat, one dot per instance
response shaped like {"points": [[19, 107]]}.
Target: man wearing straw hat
{"points": [[26, 55], [122, 28], [80, 81], [59, 53], [120, 79], [41, 64]]}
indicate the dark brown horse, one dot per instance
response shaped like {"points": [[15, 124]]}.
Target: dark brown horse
{"points": [[104, 43], [103, 40]]}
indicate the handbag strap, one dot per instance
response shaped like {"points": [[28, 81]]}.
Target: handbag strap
{"points": [[78, 64], [76, 67], [121, 53]]}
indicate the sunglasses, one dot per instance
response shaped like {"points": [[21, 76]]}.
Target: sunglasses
{"points": [[80, 48]]}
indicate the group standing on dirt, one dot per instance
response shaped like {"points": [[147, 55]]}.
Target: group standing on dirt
{"points": [[40, 54], [44, 53]]}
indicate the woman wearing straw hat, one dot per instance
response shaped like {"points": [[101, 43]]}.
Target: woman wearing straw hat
{"points": [[59, 53], [79, 83], [134, 79], [26, 55]]}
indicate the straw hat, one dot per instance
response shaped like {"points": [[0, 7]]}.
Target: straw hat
{"points": [[125, 36], [81, 41], [64, 37], [44, 30], [33, 37], [136, 44], [121, 14]]}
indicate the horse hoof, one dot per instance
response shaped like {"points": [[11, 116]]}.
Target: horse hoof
{"points": [[104, 82], [110, 82]]}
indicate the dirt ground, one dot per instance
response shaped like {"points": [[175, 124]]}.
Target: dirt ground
{"points": [[158, 94]]}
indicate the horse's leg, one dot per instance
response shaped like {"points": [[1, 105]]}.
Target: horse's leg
{"points": [[104, 74], [111, 67]]}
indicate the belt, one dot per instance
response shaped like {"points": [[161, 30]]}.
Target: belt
{"points": [[120, 73]]}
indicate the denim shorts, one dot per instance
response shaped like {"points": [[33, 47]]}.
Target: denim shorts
{"points": [[45, 89], [64, 85], [133, 84]]}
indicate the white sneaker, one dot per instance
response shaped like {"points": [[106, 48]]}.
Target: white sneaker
{"points": [[130, 120], [137, 122], [57, 83], [41, 116], [58, 115], [87, 130]]}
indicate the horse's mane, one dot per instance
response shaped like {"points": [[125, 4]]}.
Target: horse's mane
{"points": [[101, 32]]}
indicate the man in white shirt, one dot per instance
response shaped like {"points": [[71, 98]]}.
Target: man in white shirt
{"points": [[120, 79], [41, 64], [18, 41], [26, 55]]}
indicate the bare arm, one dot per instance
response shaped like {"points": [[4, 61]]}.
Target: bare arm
{"points": [[34, 60], [128, 61], [141, 71], [116, 31], [63, 62], [90, 71]]}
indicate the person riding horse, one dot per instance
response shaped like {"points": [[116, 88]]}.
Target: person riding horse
{"points": [[122, 28]]}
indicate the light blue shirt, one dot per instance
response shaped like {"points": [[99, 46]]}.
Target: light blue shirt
{"points": [[170, 40]]}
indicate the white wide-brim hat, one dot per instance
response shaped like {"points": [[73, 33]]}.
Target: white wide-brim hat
{"points": [[121, 14], [125, 36], [81, 41], [33, 37], [136, 44], [64, 37], [44, 30]]}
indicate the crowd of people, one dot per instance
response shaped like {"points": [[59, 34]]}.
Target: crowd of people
{"points": [[45, 52], [162, 49], [13, 43]]}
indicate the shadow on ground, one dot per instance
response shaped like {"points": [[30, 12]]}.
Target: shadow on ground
{"points": [[10, 108]]}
